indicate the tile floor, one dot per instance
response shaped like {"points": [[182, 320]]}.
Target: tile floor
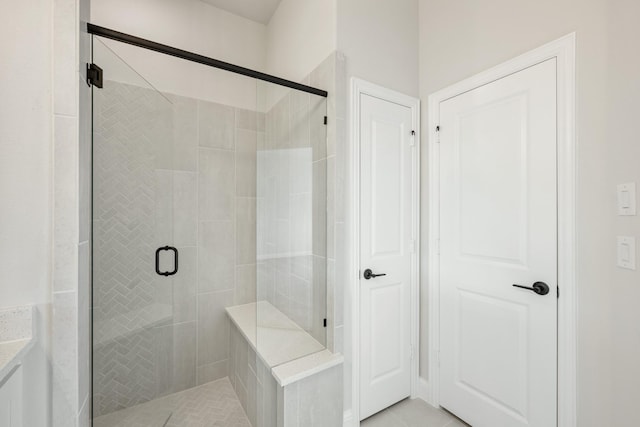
{"points": [[214, 404], [413, 413]]}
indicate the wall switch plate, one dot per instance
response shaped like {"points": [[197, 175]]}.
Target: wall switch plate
{"points": [[627, 199], [627, 252]]}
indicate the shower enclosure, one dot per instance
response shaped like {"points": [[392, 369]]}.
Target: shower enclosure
{"points": [[209, 198]]}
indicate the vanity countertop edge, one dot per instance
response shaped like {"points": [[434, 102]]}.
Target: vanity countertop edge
{"points": [[16, 338]]}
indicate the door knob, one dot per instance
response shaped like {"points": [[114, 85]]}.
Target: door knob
{"points": [[539, 288], [368, 274]]}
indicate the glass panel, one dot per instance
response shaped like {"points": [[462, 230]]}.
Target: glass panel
{"points": [[232, 172], [291, 225], [198, 131], [134, 336]]}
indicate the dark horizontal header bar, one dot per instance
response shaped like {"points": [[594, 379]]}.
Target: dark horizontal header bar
{"points": [[194, 57]]}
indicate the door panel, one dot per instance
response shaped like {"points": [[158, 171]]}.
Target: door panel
{"points": [[498, 221], [386, 327], [386, 154], [502, 379], [386, 188], [491, 222]]}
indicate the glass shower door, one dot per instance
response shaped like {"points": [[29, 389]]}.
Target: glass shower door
{"points": [[139, 343]]}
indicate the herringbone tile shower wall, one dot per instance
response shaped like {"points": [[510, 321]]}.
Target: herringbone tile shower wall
{"points": [[168, 170]]}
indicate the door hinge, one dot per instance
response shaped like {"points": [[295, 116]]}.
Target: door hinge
{"points": [[324, 322], [438, 134], [412, 141], [412, 246], [326, 120], [558, 288], [411, 352], [94, 76]]}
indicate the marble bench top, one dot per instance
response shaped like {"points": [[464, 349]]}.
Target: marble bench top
{"points": [[272, 335], [296, 370], [281, 343]]}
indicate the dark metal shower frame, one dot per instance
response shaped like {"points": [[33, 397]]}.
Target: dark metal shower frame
{"points": [[194, 57]]}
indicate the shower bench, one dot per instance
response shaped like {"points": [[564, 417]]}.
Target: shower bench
{"points": [[282, 375]]}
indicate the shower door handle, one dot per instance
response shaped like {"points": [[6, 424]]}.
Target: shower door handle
{"points": [[175, 261]]}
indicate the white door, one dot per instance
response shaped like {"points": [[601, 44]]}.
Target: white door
{"points": [[498, 221], [385, 238]]}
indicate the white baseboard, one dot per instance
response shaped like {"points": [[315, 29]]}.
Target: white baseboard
{"points": [[348, 419], [424, 392]]}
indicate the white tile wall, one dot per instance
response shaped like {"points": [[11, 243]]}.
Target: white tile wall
{"points": [[65, 358], [339, 144], [252, 381], [216, 125], [213, 327], [72, 115], [65, 203], [216, 184], [217, 256], [183, 156], [315, 401]]}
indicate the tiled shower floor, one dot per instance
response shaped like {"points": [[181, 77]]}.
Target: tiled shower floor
{"points": [[214, 404]]}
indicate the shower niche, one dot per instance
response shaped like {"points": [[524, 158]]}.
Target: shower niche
{"points": [[209, 262]]}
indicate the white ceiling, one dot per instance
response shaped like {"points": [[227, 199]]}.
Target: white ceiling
{"points": [[256, 10]]}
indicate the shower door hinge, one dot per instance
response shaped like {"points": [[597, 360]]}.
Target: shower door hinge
{"points": [[325, 120], [324, 322], [94, 75]]}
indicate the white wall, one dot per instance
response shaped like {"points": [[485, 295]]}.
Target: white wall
{"points": [[300, 35], [190, 25], [380, 41], [620, 138], [459, 39], [25, 153], [25, 181]]}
